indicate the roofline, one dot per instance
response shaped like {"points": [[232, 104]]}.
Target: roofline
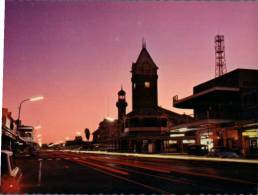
{"points": [[233, 89], [224, 75]]}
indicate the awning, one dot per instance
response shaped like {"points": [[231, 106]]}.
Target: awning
{"points": [[200, 124], [210, 95]]}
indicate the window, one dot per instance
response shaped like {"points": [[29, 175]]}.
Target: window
{"points": [[147, 84], [121, 97]]}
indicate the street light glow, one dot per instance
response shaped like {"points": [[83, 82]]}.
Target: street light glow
{"points": [[36, 98], [78, 133], [109, 119], [37, 127]]}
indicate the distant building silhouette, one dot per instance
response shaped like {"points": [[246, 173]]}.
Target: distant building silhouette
{"points": [[106, 137]]}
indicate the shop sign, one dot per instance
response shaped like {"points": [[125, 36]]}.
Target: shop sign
{"points": [[177, 135], [190, 141], [253, 133]]}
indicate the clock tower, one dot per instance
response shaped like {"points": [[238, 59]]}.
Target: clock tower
{"points": [[144, 81]]}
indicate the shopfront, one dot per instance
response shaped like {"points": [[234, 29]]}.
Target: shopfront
{"points": [[250, 141]]}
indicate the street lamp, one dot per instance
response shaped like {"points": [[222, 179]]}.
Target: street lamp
{"points": [[33, 99]]}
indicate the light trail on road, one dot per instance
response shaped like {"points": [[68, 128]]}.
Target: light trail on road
{"points": [[105, 170], [167, 156], [130, 164], [167, 169], [81, 172]]}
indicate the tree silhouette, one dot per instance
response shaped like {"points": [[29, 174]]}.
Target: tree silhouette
{"points": [[87, 133]]}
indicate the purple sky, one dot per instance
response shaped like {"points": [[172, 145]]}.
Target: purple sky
{"points": [[78, 53]]}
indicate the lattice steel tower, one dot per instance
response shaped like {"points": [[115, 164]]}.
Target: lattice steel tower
{"points": [[220, 61]]}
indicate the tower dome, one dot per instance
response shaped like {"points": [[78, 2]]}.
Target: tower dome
{"points": [[121, 92]]}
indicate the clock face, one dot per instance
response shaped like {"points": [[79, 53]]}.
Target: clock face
{"points": [[147, 84]]}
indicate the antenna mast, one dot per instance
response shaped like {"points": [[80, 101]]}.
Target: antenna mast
{"points": [[220, 61]]}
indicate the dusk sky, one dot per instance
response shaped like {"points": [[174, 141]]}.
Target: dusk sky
{"points": [[77, 54]]}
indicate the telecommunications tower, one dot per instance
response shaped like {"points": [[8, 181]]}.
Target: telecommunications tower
{"points": [[220, 61]]}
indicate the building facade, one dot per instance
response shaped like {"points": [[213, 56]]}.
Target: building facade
{"points": [[224, 108], [146, 126], [106, 137], [9, 130]]}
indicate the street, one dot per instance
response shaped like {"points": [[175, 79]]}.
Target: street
{"points": [[67, 172]]}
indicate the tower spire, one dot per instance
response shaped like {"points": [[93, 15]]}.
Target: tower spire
{"points": [[143, 43]]}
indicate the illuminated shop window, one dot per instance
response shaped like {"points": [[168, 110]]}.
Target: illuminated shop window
{"points": [[172, 142], [147, 84]]}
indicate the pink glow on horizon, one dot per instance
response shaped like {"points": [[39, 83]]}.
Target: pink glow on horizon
{"points": [[77, 55]]}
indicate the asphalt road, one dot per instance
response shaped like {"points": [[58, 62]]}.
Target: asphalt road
{"points": [[66, 172]]}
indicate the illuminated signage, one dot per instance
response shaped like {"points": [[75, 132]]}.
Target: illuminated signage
{"points": [[191, 141], [177, 135], [250, 133]]}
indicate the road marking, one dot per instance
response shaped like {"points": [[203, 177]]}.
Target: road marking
{"points": [[58, 158], [39, 175], [49, 159], [39, 159]]}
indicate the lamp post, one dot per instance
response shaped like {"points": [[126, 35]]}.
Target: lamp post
{"points": [[33, 99]]}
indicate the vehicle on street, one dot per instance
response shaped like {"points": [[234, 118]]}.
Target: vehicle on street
{"points": [[222, 152], [10, 173], [197, 149]]}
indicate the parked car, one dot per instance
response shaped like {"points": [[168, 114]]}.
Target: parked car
{"points": [[10, 174], [197, 149], [222, 152]]}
